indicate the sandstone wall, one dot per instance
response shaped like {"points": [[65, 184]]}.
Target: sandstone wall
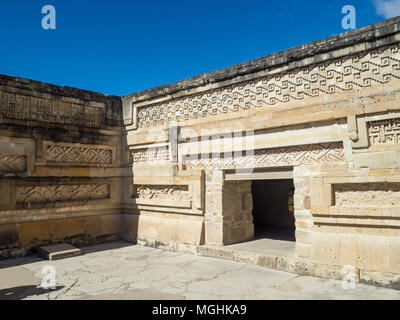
{"points": [[178, 169], [60, 165], [325, 114]]}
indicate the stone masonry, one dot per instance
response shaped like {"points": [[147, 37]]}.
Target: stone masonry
{"points": [[173, 165]]}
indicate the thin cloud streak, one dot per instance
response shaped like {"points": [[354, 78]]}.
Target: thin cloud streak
{"points": [[387, 8]]}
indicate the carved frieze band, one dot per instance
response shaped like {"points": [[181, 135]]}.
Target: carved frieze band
{"points": [[367, 195], [56, 193], [161, 192], [146, 155], [362, 70], [12, 163], [275, 157], [74, 154], [14, 106], [384, 131]]}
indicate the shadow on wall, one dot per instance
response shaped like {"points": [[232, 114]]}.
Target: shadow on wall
{"points": [[129, 215], [271, 209]]}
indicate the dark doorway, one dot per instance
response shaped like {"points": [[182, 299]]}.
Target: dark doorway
{"points": [[271, 214]]}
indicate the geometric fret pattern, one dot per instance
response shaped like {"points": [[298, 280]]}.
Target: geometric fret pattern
{"points": [[14, 106], [274, 157], [161, 192], [384, 131], [70, 154], [151, 154], [362, 70], [56, 193]]}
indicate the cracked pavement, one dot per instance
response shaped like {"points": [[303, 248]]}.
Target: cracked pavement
{"points": [[131, 272]]}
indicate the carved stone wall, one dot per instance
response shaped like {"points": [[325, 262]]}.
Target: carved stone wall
{"points": [[275, 157], [367, 195], [325, 114], [149, 155], [75, 154], [173, 192], [59, 165], [12, 163], [362, 70], [58, 193], [15, 106], [384, 131]]}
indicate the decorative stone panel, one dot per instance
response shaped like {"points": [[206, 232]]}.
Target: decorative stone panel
{"points": [[275, 157], [148, 155], [384, 131], [16, 106], [164, 192], [60, 193], [367, 195], [362, 70], [12, 163], [78, 154]]}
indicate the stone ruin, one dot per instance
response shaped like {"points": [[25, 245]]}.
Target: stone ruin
{"points": [[179, 166]]}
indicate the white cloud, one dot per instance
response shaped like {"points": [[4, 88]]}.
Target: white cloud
{"points": [[387, 8]]}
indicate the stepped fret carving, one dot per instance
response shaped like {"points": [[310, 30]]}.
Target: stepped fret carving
{"points": [[384, 131], [14, 106], [152, 154], [275, 157], [166, 192], [362, 70], [56, 193], [71, 154]]}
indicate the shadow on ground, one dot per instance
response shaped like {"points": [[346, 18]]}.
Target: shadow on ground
{"points": [[22, 292], [33, 257]]}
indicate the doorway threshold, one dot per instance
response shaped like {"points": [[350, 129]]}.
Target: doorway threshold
{"points": [[279, 248]]}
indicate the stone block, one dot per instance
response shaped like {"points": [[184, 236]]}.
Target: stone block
{"points": [[68, 228], [377, 160], [5, 194], [301, 172], [395, 254], [348, 249], [294, 266], [378, 278], [373, 253], [8, 236], [34, 233], [326, 248], [58, 251], [303, 251], [129, 227], [321, 193], [302, 184], [110, 224], [298, 201], [168, 229], [304, 235]]}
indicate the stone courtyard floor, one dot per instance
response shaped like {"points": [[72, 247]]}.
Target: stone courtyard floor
{"points": [[122, 271]]}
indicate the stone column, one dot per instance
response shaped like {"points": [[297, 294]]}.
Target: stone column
{"points": [[228, 215], [302, 212]]}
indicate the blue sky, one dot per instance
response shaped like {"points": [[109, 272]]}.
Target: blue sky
{"points": [[122, 46]]}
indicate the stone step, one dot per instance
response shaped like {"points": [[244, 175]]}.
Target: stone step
{"points": [[58, 251]]}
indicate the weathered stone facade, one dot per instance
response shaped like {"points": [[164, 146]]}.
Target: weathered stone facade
{"points": [[60, 165], [173, 165]]}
